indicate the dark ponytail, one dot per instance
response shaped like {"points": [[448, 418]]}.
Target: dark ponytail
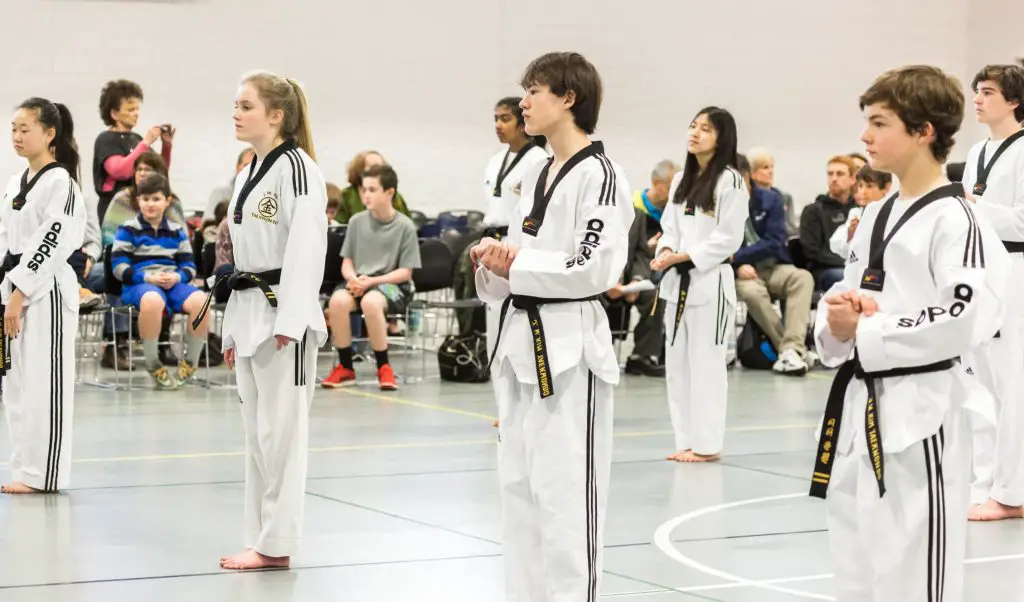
{"points": [[57, 116]]}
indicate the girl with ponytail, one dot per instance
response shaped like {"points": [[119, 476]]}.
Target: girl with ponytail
{"points": [[43, 217], [273, 323]]}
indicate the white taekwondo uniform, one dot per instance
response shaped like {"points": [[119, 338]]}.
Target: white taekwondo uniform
{"points": [[701, 309], [554, 373], [42, 222], [277, 223], [997, 183], [897, 472], [503, 183]]}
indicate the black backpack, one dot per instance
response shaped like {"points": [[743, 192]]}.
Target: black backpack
{"points": [[463, 359], [754, 349]]}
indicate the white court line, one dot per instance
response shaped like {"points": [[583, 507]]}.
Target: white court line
{"points": [[663, 539]]}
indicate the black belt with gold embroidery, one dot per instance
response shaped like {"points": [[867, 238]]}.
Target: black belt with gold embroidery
{"points": [[872, 425], [240, 281], [532, 305], [496, 232]]}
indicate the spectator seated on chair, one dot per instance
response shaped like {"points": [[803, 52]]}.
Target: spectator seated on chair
{"points": [[765, 273], [153, 258], [649, 334], [821, 219], [380, 252], [351, 197], [872, 186], [85, 258], [224, 264], [333, 202], [762, 174], [651, 201]]}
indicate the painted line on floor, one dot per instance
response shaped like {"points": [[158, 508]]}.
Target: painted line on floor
{"points": [[391, 446], [663, 540], [419, 404]]}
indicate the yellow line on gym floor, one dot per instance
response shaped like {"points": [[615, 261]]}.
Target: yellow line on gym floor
{"points": [[418, 404], [390, 446]]}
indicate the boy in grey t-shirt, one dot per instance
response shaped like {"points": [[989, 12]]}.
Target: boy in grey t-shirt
{"points": [[380, 252]]}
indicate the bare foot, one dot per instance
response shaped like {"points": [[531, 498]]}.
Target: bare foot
{"points": [[993, 510], [678, 456], [251, 560], [495, 424], [17, 488], [693, 458]]}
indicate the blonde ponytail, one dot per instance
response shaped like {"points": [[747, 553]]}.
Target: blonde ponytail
{"points": [[302, 132], [286, 95]]}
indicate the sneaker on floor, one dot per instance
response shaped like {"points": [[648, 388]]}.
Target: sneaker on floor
{"points": [[186, 373], [790, 363], [339, 377], [645, 366], [164, 380], [116, 360], [811, 359], [386, 377], [88, 299]]}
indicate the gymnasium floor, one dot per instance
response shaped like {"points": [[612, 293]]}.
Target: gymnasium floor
{"points": [[403, 504]]}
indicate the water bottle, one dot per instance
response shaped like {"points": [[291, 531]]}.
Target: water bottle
{"points": [[413, 325]]}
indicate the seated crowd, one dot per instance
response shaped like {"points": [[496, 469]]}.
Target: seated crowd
{"points": [[140, 236]]}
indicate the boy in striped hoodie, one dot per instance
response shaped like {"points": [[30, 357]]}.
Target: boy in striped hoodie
{"points": [[153, 258]]}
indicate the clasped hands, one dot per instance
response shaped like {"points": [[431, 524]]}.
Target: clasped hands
{"points": [[667, 259], [494, 255], [165, 280], [844, 311]]}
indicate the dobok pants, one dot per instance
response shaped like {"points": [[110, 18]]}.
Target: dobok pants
{"points": [[276, 390]]}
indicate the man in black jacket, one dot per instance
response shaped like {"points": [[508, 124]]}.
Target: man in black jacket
{"points": [[820, 219], [648, 337]]}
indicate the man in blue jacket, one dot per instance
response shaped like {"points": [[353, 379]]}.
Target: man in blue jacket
{"points": [[765, 273]]}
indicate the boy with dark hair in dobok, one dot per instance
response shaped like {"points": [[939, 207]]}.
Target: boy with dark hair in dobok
{"points": [[554, 364]]}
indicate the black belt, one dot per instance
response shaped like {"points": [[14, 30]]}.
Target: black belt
{"points": [[531, 305], [872, 425], [496, 232], [683, 269], [10, 262], [1013, 247], [240, 281]]}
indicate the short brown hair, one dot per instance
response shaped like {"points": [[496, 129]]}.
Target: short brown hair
{"points": [[113, 94], [154, 184], [845, 160], [1010, 79], [357, 166], [565, 72], [333, 196], [387, 176], [153, 160], [919, 95], [868, 175]]}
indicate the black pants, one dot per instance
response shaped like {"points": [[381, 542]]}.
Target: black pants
{"points": [[649, 335]]}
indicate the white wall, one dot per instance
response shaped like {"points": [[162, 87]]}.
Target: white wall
{"points": [[417, 80]]}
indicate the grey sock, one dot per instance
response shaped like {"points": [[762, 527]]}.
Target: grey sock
{"points": [[151, 351], [194, 347]]}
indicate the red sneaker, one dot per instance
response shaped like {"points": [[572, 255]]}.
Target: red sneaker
{"points": [[339, 377], [386, 376]]}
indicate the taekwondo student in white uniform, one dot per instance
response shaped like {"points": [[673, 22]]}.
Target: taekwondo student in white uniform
{"points": [[273, 323], [503, 180], [555, 366], [925, 281], [702, 228], [994, 180], [42, 221]]}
